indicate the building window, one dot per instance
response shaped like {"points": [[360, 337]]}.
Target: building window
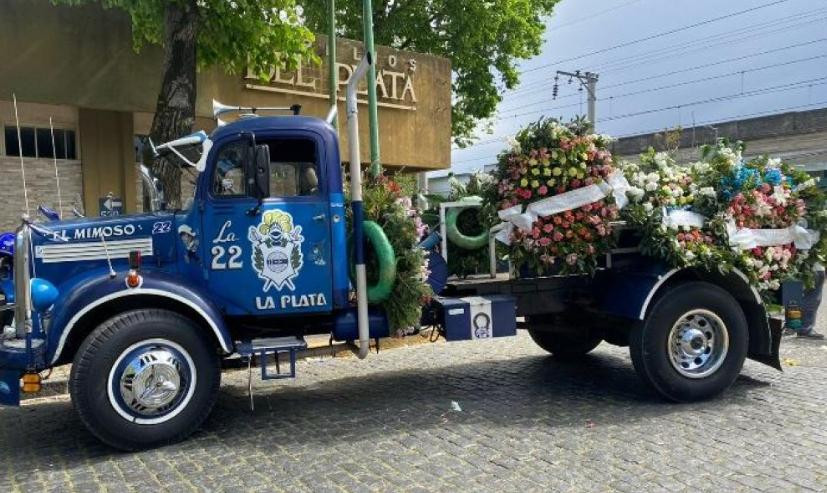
{"points": [[37, 142]]}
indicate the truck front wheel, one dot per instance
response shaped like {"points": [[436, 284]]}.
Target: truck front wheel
{"points": [[145, 378], [692, 344]]}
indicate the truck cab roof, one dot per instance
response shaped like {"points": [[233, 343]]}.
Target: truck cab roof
{"points": [[263, 123]]}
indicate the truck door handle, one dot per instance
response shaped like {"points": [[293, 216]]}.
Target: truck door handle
{"points": [[320, 217]]}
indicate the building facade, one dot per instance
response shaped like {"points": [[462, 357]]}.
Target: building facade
{"points": [[76, 66]]}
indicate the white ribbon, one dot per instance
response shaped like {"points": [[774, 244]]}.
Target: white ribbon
{"points": [[615, 185], [747, 239], [676, 218]]}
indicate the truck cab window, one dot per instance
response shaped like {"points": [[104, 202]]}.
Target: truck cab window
{"points": [[228, 180], [294, 168]]}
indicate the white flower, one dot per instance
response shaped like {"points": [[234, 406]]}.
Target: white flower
{"points": [[707, 191], [689, 256], [635, 193], [513, 143], [648, 207], [651, 186], [807, 184], [774, 162]]}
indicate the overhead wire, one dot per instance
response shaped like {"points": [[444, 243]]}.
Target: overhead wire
{"points": [[705, 42], [680, 71], [668, 86], [658, 35]]}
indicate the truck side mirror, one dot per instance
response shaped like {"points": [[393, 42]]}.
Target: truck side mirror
{"points": [[261, 172]]}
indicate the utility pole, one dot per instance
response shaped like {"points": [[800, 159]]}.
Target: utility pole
{"points": [[373, 114], [587, 80]]}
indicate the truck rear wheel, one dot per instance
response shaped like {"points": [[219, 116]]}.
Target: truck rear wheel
{"points": [[692, 344], [145, 378], [564, 345]]}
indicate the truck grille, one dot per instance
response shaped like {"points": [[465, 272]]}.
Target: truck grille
{"points": [[88, 251]]}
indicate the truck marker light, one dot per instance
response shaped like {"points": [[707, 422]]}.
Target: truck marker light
{"points": [[133, 279], [31, 383]]}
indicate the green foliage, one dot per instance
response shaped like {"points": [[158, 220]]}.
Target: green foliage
{"points": [[234, 35], [386, 203], [484, 40]]}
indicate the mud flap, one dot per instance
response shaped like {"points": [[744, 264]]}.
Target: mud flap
{"points": [[9, 387], [773, 359]]}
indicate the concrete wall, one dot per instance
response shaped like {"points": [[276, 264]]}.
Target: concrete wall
{"points": [[106, 139], [40, 173], [797, 137]]}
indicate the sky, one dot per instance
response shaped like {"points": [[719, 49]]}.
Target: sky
{"points": [[666, 63]]}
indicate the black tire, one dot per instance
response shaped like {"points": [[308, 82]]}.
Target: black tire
{"points": [[98, 401], [650, 346], [564, 346]]}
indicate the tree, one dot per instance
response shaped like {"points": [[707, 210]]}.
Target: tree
{"points": [[235, 35], [483, 39]]}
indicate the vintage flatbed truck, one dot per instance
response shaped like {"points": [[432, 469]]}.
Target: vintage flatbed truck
{"points": [[147, 306]]}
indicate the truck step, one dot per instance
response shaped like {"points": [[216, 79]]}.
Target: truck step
{"points": [[273, 345]]}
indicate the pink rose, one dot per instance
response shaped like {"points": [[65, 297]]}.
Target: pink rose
{"points": [[557, 236]]}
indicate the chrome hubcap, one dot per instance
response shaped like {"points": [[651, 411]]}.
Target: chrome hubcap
{"points": [[152, 381], [698, 343]]}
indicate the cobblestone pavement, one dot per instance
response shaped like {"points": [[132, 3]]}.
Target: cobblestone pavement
{"points": [[527, 423]]}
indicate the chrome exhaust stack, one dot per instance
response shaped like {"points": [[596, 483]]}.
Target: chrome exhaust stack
{"points": [[22, 280]]}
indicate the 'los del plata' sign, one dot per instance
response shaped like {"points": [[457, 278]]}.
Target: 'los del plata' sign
{"points": [[394, 76]]}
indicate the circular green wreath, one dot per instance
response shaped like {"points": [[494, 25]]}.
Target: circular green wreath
{"points": [[385, 260]]}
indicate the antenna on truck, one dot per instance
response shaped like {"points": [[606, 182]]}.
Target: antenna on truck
{"points": [[20, 153], [57, 175]]}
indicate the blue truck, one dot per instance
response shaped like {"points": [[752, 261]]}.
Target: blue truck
{"points": [[146, 307]]}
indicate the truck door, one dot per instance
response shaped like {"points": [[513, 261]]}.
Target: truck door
{"points": [[272, 259]]}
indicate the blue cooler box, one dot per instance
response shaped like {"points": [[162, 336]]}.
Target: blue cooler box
{"points": [[478, 317]]}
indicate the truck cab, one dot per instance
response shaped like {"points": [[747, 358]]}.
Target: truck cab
{"points": [[146, 305]]}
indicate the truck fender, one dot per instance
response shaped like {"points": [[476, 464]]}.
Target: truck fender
{"points": [[631, 294], [84, 297]]}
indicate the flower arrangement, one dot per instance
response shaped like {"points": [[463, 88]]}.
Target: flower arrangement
{"points": [[559, 230], [464, 262], [760, 216], [387, 202], [665, 199], [764, 196]]}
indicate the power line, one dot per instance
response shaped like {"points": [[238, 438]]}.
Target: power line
{"points": [[707, 65], [596, 14], [544, 87], [682, 48], [757, 92], [669, 86], [710, 42], [659, 35]]}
